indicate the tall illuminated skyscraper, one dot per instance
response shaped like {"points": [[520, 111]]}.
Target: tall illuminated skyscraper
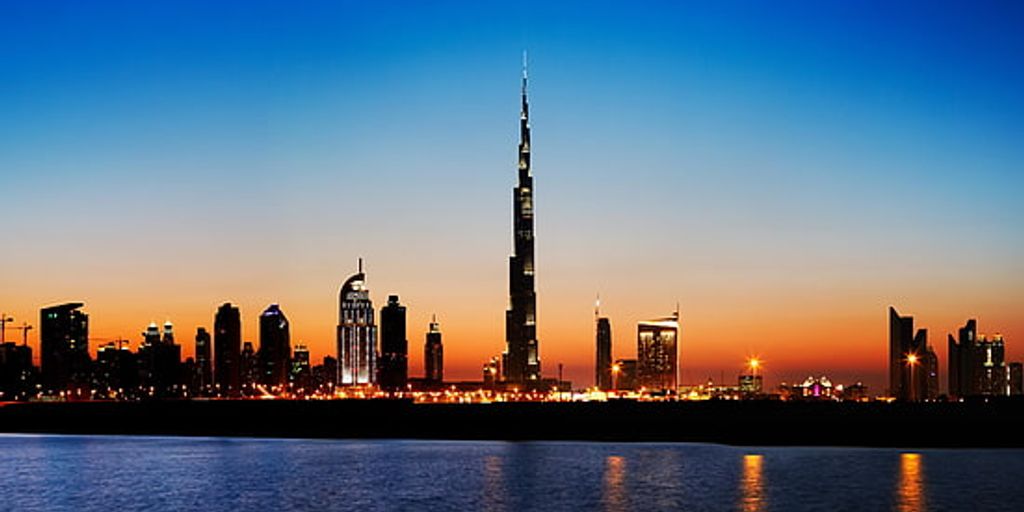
{"points": [[522, 356], [657, 353], [357, 333]]}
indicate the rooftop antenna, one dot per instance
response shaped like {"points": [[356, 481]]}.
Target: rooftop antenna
{"points": [[360, 265], [597, 306]]}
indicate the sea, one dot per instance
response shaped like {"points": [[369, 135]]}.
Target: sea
{"points": [[118, 473]]}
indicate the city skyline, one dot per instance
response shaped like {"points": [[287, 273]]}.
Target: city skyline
{"points": [[797, 277]]}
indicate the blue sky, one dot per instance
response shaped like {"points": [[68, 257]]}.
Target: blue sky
{"points": [[742, 159]]}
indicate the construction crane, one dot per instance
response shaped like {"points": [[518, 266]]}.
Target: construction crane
{"points": [[4, 320], [24, 328]]}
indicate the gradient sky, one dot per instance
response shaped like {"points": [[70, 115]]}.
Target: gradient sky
{"points": [[784, 172]]}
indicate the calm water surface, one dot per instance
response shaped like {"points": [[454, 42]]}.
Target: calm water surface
{"points": [[136, 473]]}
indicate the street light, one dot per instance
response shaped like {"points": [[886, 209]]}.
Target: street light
{"points": [[615, 376], [912, 362]]}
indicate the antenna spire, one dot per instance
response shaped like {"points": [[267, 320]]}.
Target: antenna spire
{"points": [[360, 265]]}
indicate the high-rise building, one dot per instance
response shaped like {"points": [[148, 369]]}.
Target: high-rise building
{"points": [[959, 354], [301, 373], [357, 333], [522, 356], [909, 362], [249, 369], [433, 354], [603, 359], [657, 352], [275, 348], [64, 348], [160, 361], [17, 374], [227, 346], [931, 368], [394, 346], [204, 363], [1016, 378], [977, 364]]}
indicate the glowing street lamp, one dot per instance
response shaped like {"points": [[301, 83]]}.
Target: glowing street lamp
{"points": [[912, 362], [615, 376]]}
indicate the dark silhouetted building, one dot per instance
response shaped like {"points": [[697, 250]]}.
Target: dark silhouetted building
{"points": [[324, 375], [931, 367], [301, 372], [394, 346], [275, 348], [908, 359], [227, 347], [1016, 373], [492, 370], [657, 353], [433, 355], [116, 371], [203, 361], [624, 375], [521, 360], [160, 362], [64, 349], [249, 367], [977, 364], [357, 333], [17, 374], [603, 359]]}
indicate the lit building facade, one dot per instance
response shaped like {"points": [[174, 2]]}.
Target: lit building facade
{"points": [[977, 364], [521, 360], [357, 333], [433, 355], [657, 353], [275, 347], [394, 346]]}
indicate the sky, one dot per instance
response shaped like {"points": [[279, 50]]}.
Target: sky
{"points": [[783, 171]]}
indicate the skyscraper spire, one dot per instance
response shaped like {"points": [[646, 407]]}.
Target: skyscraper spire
{"points": [[522, 357]]}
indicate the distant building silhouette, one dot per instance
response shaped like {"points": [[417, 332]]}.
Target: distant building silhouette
{"points": [[275, 348], [521, 360], [227, 347], [249, 365], [17, 374], [1016, 379], [433, 355], [160, 361], [394, 346], [657, 352], [357, 333], [977, 364], [931, 368], [204, 361], [116, 371], [909, 361], [64, 348], [301, 373], [603, 357]]}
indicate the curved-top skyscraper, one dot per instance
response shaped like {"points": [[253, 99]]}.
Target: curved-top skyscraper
{"points": [[522, 357], [357, 333]]}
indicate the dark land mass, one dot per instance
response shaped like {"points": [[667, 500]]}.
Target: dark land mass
{"points": [[748, 423]]}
